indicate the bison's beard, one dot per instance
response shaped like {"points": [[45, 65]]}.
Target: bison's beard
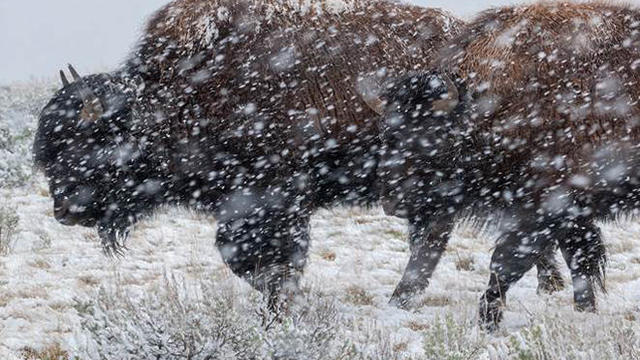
{"points": [[113, 235], [114, 225]]}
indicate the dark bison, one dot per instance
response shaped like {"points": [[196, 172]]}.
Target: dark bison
{"points": [[250, 110], [253, 111], [533, 113]]}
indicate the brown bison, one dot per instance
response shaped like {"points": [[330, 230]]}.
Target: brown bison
{"points": [[252, 111], [531, 113]]}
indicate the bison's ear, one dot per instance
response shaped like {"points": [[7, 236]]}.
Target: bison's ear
{"points": [[92, 109], [92, 105], [375, 103], [448, 100], [370, 88]]}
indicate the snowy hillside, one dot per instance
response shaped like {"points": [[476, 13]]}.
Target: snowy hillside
{"points": [[171, 296]]}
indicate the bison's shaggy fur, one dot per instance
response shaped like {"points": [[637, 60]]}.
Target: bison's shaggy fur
{"points": [[252, 110], [542, 126]]}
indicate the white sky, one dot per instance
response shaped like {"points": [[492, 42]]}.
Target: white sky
{"points": [[38, 37]]}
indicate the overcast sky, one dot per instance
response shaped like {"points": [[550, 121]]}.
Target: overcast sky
{"points": [[37, 37]]}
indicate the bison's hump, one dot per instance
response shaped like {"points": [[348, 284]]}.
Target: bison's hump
{"points": [[196, 24], [569, 70]]}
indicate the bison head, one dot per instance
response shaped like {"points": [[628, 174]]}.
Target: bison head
{"points": [[82, 146], [416, 116]]}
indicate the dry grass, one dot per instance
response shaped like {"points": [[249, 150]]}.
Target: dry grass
{"points": [[630, 316], [88, 280], [416, 326], [4, 299], [400, 347], [395, 234], [358, 296], [43, 191], [622, 247], [433, 301], [465, 263], [40, 264], [328, 255], [32, 292], [363, 220], [51, 352]]}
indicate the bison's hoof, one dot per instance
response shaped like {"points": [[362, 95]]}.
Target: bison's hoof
{"points": [[402, 299], [490, 314], [399, 302], [550, 284], [585, 306]]}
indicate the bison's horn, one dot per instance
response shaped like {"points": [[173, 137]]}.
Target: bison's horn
{"points": [[74, 73], [448, 103], [63, 77]]}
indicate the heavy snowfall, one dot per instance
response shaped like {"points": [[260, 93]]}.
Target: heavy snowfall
{"points": [[159, 282]]}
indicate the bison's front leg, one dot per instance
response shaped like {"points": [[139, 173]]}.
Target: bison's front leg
{"points": [[268, 249], [427, 241]]}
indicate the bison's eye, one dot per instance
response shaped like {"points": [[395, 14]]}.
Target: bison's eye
{"points": [[59, 191]]}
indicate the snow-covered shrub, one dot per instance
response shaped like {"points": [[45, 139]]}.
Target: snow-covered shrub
{"points": [[15, 164], [19, 109], [170, 322], [557, 339], [449, 339], [207, 321], [8, 224], [6, 141]]}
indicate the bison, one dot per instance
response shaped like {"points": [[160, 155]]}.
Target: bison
{"points": [[254, 111], [250, 110], [531, 113]]}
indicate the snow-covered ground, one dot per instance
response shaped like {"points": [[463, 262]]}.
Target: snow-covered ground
{"points": [[59, 292]]}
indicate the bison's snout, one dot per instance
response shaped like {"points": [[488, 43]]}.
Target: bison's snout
{"points": [[64, 212], [73, 210], [389, 207], [393, 207], [69, 215], [61, 210]]}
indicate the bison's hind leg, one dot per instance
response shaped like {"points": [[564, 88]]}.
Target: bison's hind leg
{"points": [[581, 245], [269, 250], [516, 252], [584, 253]]}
